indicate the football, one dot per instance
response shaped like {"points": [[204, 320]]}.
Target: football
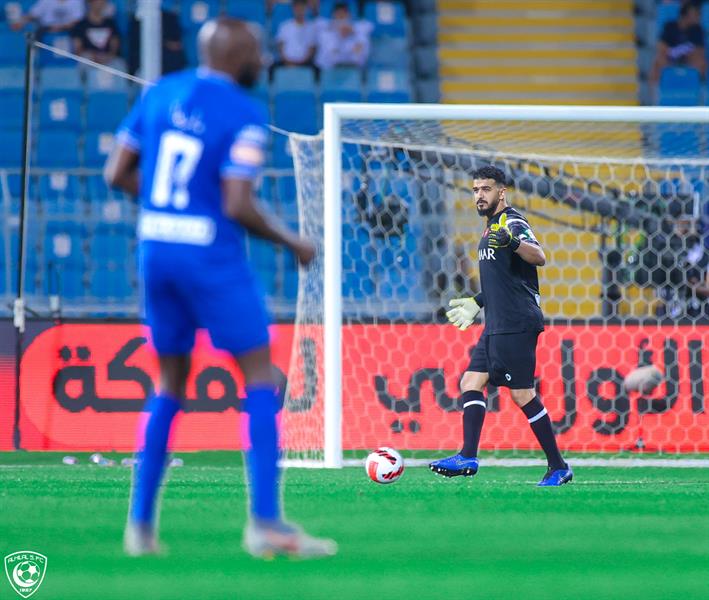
{"points": [[384, 465], [643, 379]]}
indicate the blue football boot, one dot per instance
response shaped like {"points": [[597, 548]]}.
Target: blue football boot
{"points": [[454, 466], [556, 477]]}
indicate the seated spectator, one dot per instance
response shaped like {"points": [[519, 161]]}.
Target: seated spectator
{"points": [[341, 41], [173, 50], [297, 38], [96, 36], [681, 43], [53, 16]]}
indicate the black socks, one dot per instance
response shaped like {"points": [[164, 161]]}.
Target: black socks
{"points": [[540, 423], [473, 416]]}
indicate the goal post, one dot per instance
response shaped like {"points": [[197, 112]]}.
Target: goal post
{"points": [[602, 159]]}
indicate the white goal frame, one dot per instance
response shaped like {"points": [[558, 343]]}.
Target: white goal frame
{"points": [[334, 114]]}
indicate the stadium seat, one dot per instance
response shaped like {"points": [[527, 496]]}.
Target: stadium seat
{"points": [[112, 242], [679, 141], [341, 96], [59, 78], [103, 80], [680, 86], [11, 109], [190, 42], [60, 193], [113, 268], [293, 79], [97, 147], [11, 149], [389, 97], [58, 149], [295, 111], [341, 78], [282, 158], [666, 12], [389, 52], [253, 11], [12, 78], [112, 281], [195, 12], [287, 197], [12, 48], [262, 256], [105, 110], [97, 192], [64, 259], [387, 80], [290, 282], [62, 41], [389, 18], [60, 110]]}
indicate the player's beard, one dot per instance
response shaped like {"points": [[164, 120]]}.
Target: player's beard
{"points": [[490, 210]]}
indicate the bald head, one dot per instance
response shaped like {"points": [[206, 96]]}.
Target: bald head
{"points": [[230, 46]]}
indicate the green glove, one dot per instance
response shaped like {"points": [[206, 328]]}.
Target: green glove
{"points": [[463, 312], [501, 237]]}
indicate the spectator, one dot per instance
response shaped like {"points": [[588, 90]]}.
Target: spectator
{"points": [[341, 41], [53, 16], [173, 50], [297, 38], [96, 36], [681, 43]]}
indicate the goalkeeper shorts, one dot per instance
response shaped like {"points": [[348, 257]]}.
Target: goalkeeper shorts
{"points": [[508, 358]]}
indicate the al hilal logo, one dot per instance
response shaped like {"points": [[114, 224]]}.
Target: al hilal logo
{"points": [[25, 570]]}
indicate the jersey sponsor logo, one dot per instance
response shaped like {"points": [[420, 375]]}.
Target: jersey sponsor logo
{"points": [[486, 254], [178, 229]]}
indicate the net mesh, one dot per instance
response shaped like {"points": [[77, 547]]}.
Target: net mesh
{"points": [[618, 209]]}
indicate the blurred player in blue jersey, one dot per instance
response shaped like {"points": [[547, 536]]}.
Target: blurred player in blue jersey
{"points": [[191, 150]]}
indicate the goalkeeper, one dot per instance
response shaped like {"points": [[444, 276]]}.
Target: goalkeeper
{"points": [[505, 355]]}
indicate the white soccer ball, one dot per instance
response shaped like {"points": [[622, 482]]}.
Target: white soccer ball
{"points": [[384, 465]]}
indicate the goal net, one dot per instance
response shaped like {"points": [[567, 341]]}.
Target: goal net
{"points": [[615, 196]]}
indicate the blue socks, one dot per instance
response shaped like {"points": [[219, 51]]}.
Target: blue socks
{"points": [[262, 458], [152, 458]]}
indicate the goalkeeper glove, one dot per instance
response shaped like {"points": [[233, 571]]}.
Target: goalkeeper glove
{"points": [[463, 312], [500, 236]]}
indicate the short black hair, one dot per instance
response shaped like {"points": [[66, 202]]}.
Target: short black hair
{"points": [[490, 172], [294, 2], [687, 6], [340, 6]]}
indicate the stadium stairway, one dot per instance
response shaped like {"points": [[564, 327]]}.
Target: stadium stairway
{"points": [[537, 52]]}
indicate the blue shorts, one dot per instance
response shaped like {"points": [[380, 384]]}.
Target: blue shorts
{"points": [[182, 295]]}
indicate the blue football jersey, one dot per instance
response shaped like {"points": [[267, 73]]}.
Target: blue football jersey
{"points": [[192, 130]]}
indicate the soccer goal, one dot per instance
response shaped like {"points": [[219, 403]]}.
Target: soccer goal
{"points": [[615, 195]]}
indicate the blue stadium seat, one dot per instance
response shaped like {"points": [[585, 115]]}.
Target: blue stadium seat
{"points": [[62, 41], [59, 184], [112, 242], [58, 149], [279, 14], [341, 96], [282, 158], [12, 48], [679, 141], [387, 80], [389, 52], [11, 109], [341, 78], [97, 147], [287, 198], [253, 11], [12, 78], [293, 79], [61, 110], [426, 29], [64, 259], [426, 58], [680, 86], [59, 78], [389, 18], [106, 110], [666, 12], [295, 111], [398, 97], [427, 90], [290, 282], [113, 281], [11, 149], [193, 13], [262, 256], [189, 40], [103, 80]]}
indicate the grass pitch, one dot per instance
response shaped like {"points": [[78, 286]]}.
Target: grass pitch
{"points": [[613, 533]]}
